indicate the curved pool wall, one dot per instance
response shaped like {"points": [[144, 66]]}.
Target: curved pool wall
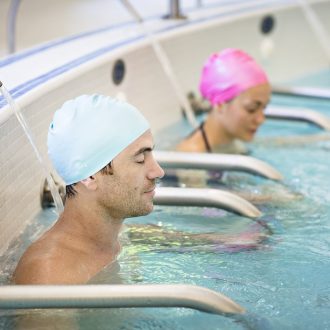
{"points": [[41, 79]]}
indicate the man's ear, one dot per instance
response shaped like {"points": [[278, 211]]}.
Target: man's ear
{"points": [[90, 183]]}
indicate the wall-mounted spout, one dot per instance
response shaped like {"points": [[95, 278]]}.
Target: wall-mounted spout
{"points": [[175, 11], [11, 26], [19, 115], [165, 63]]}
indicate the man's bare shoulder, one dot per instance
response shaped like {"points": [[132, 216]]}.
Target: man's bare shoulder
{"points": [[45, 262]]}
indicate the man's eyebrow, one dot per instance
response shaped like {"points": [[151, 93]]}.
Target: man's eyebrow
{"points": [[144, 149]]}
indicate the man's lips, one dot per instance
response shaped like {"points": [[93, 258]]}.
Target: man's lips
{"points": [[150, 190]]}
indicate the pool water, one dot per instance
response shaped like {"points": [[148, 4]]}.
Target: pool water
{"points": [[282, 279]]}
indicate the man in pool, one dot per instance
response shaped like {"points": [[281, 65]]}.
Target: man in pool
{"points": [[102, 149]]}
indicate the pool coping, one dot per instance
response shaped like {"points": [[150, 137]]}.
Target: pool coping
{"points": [[201, 16]]}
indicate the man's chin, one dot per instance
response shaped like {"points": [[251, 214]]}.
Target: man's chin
{"points": [[145, 211], [149, 209]]}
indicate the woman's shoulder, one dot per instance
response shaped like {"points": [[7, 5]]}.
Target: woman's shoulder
{"points": [[192, 143]]}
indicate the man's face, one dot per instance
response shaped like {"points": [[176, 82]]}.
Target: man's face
{"points": [[129, 191]]}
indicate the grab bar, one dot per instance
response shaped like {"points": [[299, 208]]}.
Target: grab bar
{"points": [[299, 114], [105, 296], [320, 93], [190, 160], [205, 197]]}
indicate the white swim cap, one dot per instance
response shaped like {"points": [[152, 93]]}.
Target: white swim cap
{"points": [[88, 132]]}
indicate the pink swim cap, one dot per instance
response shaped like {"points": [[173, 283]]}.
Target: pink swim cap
{"points": [[229, 73]]}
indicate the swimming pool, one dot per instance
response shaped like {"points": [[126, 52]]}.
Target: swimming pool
{"points": [[282, 281]]}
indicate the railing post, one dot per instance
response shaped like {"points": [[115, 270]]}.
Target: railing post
{"points": [[11, 26], [174, 10]]}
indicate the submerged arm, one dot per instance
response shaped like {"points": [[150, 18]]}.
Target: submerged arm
{"points": [[158, 237]]}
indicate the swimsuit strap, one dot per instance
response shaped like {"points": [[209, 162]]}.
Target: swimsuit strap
{"points": [[205, 139]]}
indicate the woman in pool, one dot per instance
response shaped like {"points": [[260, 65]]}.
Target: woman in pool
{"points": [[238, 90]]}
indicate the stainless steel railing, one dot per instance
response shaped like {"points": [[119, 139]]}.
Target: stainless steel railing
{"points": [[190, 160], [116, 296], [299, 114], [205, 197], [312, 92]]}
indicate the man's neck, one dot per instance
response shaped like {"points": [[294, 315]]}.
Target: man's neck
{"points": [[87, 222]]}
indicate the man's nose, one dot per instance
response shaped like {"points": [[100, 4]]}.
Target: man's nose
{"points": [[155, 171]]}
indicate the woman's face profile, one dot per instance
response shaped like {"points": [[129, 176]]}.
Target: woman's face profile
{"points": [[243, 115]]}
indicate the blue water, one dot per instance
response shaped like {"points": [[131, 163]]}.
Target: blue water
{"points": [[283, 280]]}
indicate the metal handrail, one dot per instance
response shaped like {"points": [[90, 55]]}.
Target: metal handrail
{"points": [[299, 114], [207, 198], [319, 93], [191, 160], [94, 296]]}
